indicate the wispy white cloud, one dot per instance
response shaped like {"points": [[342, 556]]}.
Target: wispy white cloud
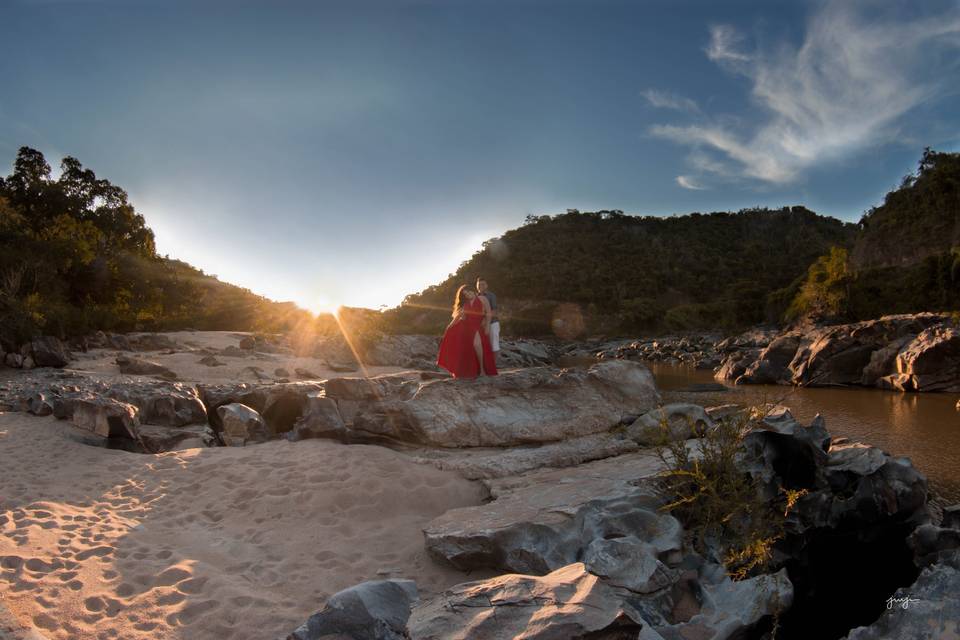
{"points": [[668, 100], [725, 44], [689, 183], [846, 87]]}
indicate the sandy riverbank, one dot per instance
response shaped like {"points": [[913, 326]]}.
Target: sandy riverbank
{"points": [[204, 543]]}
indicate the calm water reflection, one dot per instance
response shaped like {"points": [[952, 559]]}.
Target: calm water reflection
{"points": [[923, 427]]}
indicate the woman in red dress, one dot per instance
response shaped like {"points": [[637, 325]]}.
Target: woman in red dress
{"points": [[465, 349]]}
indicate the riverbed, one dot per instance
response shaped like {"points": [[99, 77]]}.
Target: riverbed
{"points": [[924, 427]]}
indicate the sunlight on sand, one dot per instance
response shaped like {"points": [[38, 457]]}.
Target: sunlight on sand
{"points": [[205, 543]]}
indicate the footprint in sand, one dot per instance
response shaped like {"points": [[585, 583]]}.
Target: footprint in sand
{"points": [[94, 551], [192, 611], [36, 565], [46, 621], [172, 576], [170, 599], [192, 586]]}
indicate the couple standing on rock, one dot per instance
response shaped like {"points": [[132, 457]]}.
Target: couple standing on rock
{"points": [[472, 339]]}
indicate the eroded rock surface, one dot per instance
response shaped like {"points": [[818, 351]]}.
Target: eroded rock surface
{"points": [[519, 407]]}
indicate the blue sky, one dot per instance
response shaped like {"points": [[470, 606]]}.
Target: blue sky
{"points": [[355, 152]]}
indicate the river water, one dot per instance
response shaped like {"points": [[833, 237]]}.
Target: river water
{"points": [[925, 427]]}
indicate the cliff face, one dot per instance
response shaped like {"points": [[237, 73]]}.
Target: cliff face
{"points": [[918, 220]]}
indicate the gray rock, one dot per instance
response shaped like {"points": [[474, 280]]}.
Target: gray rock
{"points": [[320, 419], [215, 396], [241, 425], [48, 351], [306, 374], [119, 342], [286, 403], [772, 365], [545, 519], [929, 362], [248, 343], [630, 563], [152, 342], [28, 363], [567, 604], [140, 367], [14, 360], [883, 361], [519, 407], [926, 610], [736, 364], [106, 417], [211, 361], [932, 544], [672, 422], [376, 610], [40, 404], [729, 608], [838, 355], [951, 517], [158, 439], [162, 403], [489, 463], [281, 373]]}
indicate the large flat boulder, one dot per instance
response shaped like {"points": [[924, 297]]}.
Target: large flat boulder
{"points": [[519, 407], [567, 604], [546, 519], [485, 463]]}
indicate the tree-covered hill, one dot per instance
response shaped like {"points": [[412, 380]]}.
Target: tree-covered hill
{"points": [[905, 258], [919, 219], [613, 272], [75, 257]]}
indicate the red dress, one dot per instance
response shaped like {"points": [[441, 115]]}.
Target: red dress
{"points": [[457, 354]]}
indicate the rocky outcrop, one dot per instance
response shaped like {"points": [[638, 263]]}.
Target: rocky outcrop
{"points": [[773, 362], [911, 352], [376, 610], [929, 362], [567, 604], [519, 407]]}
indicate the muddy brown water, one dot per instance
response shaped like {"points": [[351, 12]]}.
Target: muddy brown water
{"points": [[924, 427]]}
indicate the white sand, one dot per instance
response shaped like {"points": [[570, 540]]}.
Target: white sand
{"points": [[204, 543]]}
